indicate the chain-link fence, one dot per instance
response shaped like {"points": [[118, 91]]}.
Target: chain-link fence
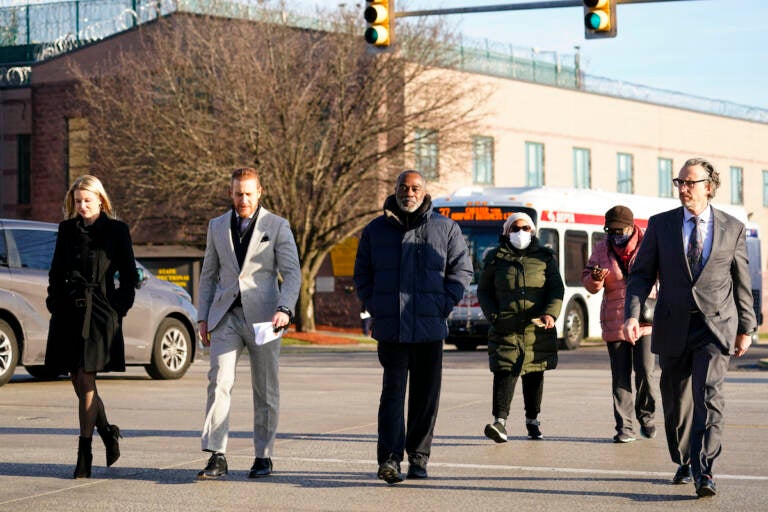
{"points": [[36, 31]]}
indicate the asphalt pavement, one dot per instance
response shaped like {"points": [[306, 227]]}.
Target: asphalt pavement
{"points": [[325, 453]]}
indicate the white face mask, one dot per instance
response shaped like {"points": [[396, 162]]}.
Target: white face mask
{"points": [[521, 239]]}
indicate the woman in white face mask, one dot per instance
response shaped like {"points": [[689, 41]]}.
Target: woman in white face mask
{"points": [[521, 293]]}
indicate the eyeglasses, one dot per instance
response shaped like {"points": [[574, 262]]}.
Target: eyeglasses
{"points": [[515, 229], [614, 231], [688, 183]]}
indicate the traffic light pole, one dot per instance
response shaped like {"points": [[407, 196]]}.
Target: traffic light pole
{"points": [[551, 4]]}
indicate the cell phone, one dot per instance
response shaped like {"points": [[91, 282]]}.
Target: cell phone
{"points": [[537, 322]]}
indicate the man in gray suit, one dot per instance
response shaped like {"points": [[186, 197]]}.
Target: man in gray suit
{"points": [[704, 313], [246, 249]]}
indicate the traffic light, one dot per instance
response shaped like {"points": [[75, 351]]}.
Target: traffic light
{"points": [[599, 19], [380, 17]]}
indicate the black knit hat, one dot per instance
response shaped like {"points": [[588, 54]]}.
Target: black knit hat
{"points": [[619, 217]]}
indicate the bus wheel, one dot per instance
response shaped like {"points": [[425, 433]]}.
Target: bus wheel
{"points": [[574, 326]]}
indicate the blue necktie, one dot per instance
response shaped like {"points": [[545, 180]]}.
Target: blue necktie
{"points": [[695, 249]]}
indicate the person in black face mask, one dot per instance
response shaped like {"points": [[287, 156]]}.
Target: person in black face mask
{"points": [[607, 270]]}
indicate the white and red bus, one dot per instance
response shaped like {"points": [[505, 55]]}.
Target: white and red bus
{"points": [[570, 222]]}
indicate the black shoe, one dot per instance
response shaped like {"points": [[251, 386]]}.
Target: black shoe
{"points": [[648, 432], [683, 475], [705, 487], [497, 432], [216, 468], [84, 458], [110, 435], [416, 470], [533, 428], [389, 471], [260, 468]]}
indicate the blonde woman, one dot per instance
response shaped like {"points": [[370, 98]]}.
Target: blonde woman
{"points": [[85, 334]]}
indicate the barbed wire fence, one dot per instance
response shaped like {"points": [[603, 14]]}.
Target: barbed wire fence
{"points": [[54, 28]]}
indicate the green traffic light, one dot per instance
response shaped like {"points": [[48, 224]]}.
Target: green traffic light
{"points": [[371, 35], [596, 21]]}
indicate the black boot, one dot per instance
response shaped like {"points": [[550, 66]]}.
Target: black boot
{"points": [[110, 434], [84, 458]]}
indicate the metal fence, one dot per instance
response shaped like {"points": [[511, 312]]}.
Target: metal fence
{"points": [[38, 31]]}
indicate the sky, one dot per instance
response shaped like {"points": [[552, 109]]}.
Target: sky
{"points": [[715, 49]]}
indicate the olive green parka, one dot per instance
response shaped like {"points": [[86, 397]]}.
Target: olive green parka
{"points": [[515, 287]]}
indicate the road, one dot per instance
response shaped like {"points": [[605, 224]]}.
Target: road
{"points": [[325, 454]]}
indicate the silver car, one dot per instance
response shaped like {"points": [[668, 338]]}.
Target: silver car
{"points": [[159, 329]]}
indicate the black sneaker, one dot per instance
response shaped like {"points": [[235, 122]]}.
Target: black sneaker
{"points": [[497, 432], [533, 428], [623, 437], [216, 468], [389, 471], [648, 432]]}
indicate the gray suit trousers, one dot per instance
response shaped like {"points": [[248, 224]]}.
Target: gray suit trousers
{"points": [[691, 393], [228, 340]]}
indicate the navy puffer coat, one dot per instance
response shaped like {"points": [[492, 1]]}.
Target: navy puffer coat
{"points": [[410, 271]]}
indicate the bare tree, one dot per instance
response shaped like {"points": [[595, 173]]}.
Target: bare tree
{"points": [[325, 122]]}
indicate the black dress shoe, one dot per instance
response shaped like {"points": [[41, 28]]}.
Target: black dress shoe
{"points": [[216, 468], [705, 487], [389, 471], [683, 475], [417, 471], [260, 468]]}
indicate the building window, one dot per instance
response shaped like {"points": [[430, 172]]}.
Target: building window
{"points": [[624, 173], [581, 168], [665, 177], [765, 189], [534, 164], [737, 185], [23, 169], [482, 160], [78, 161], [425, 149]]}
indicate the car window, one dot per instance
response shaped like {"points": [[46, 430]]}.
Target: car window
{"points": [[35, 247], [3, 249]]}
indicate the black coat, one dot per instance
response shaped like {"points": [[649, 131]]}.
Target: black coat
{"points": [[86, 307]]}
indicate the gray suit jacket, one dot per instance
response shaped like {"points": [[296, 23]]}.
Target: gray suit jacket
{"points": [[272, 249], [722, 292]]}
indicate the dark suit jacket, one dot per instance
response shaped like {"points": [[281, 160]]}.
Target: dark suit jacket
{"points": [[722, 292]]}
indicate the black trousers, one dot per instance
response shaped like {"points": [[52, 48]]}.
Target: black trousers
{"points": [[692, 397], [504, 389], [423, 362]]}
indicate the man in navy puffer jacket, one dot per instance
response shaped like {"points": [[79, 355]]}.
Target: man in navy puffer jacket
{"points": [[412, 267]]}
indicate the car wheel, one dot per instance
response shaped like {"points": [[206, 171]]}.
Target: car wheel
{"points": [[9, 352], [40, 372], [573, 333], [171, 352]]}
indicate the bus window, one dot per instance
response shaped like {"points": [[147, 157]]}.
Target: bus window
{"points": [[479, 241], [575, 256], [597, 237], [549, 238]]}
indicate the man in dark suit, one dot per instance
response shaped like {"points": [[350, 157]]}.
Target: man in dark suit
{"points": [[704, 313]]}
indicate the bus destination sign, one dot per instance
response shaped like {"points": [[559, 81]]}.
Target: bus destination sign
{"points": [[475, 213]]}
